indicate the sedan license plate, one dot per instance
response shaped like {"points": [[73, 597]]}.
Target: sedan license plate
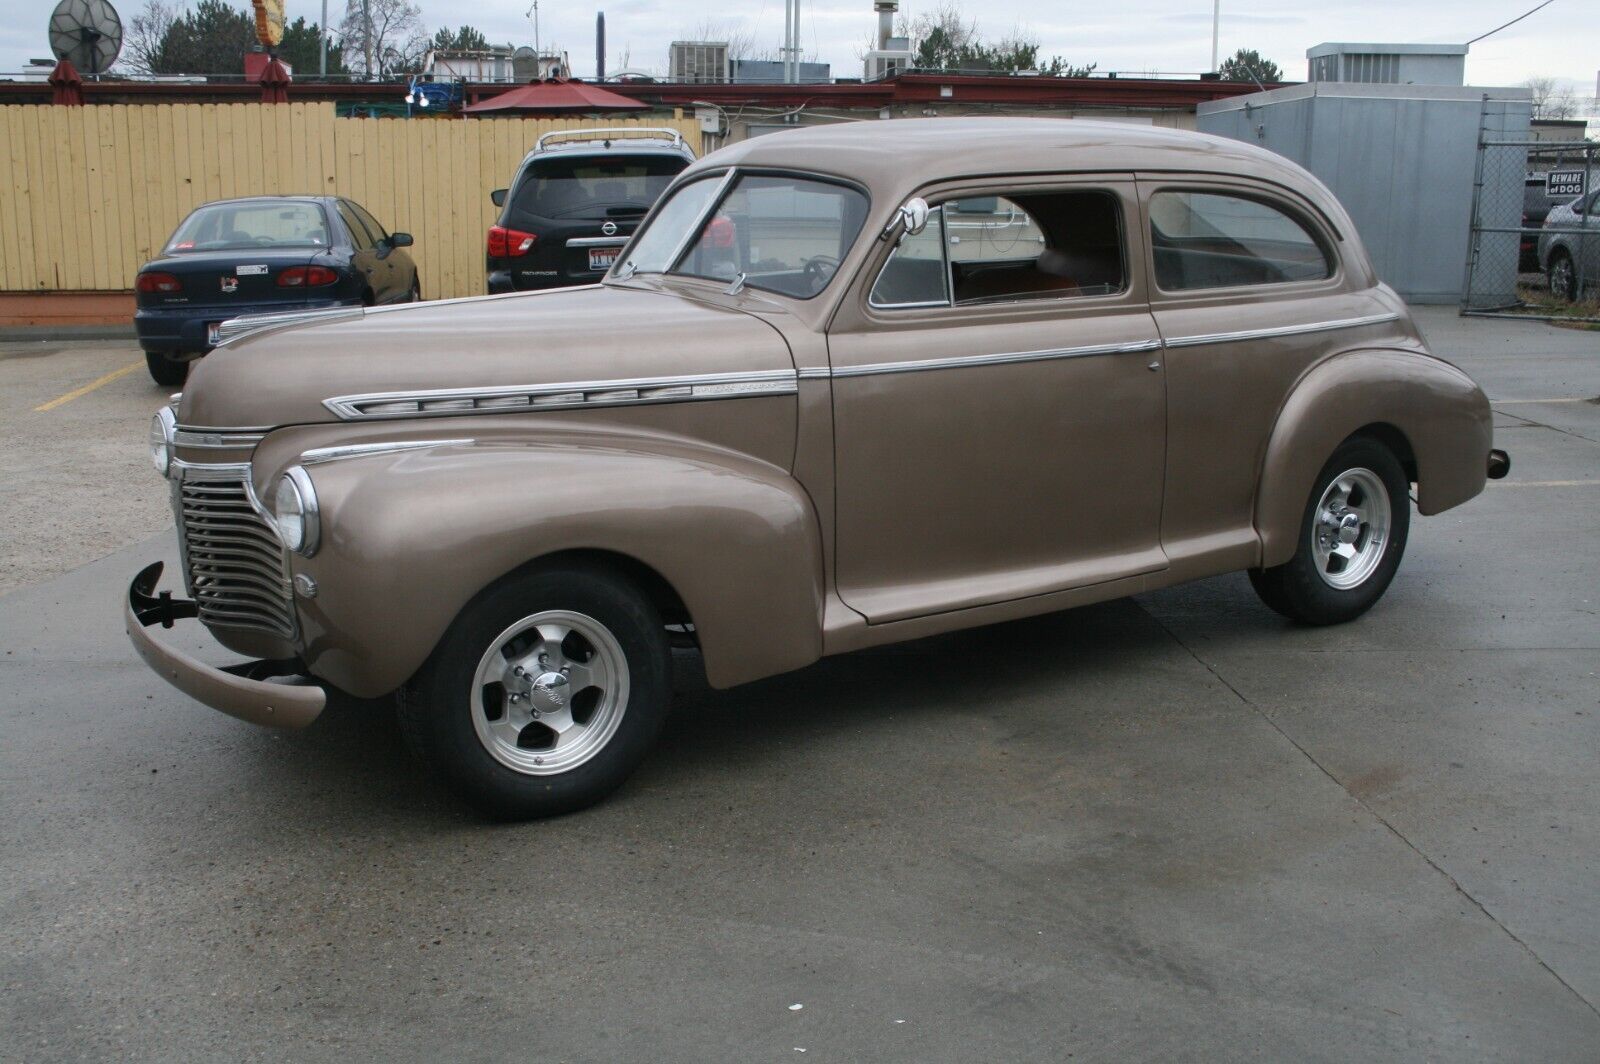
{"points": [[213, 332], [602, 258]]}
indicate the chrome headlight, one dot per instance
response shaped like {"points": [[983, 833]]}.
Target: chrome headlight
{"points": [[163, 428], [294, 512]]}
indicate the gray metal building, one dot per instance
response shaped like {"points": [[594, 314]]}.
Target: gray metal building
{"points": [[1403, 161]]}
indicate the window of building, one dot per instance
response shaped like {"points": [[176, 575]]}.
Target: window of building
{"points": [[1212, 240]]}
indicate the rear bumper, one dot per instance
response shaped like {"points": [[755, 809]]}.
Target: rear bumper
{"points": [[182, 330], [531, 280], [240, 690]]}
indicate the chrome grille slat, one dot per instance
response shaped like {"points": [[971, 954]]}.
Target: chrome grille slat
{"points": [[234, 563]]}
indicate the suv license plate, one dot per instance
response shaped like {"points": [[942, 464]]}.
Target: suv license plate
{"points": [[602, 258]]}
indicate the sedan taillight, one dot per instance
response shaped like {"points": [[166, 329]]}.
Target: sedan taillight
{"points": [[306, 277], [509, 243], [158, 282]]}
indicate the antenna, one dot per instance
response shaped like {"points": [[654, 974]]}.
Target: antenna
{"points": [[87, 34], [533, 13]]}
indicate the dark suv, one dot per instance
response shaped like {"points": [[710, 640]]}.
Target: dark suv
{"points": [[577, 198]]}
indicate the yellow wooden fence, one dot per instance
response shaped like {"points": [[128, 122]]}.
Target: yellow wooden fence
{"points": [[88, 194]]}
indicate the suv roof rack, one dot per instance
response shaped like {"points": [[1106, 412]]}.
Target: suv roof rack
{"points": [[578, 136]]}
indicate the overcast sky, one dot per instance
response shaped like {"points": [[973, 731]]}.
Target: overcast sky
{"points": [[1563, 40]]}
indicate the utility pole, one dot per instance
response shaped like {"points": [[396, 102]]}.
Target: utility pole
{"points": [[322, 42], [1216, 24], [366, 37]]}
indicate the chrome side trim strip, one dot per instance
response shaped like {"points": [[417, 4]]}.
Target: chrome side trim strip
{"points": [[1004, 358], [566, 396], [815, 373], [1281, 330], [234, 328], [319, 455], [221, 439]]}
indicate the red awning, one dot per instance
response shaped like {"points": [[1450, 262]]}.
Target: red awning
{"points": [[556, 94], [66, 87]]}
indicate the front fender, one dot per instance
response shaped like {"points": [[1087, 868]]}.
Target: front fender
{"points": [[1442, 414], [410, 537]]}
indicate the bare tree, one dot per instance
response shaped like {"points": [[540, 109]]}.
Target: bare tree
{"points": [[383, 37], [1551, 99], [146, 32]]}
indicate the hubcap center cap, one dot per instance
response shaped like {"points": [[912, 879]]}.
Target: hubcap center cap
{"points": [[1349, 528], [551, 688]]}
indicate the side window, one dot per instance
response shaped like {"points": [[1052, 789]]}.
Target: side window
{"points": [[915, 275], [1007, 248], [358, 229], [1213, 240], [377, 232]]}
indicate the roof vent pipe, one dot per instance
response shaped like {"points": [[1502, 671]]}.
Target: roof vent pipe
{"points": [[886, 10]]}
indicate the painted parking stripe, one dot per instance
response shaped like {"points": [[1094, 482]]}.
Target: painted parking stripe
{"points": [[1549, 484], [1521, 402], [87, 388]]}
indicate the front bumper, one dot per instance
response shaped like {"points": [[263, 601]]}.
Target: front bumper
{"points": [[242, 691]]}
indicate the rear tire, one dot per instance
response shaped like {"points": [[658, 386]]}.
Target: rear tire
{"points": [[544, 695], [165, 371], [1352, 536], [1563, 277]]}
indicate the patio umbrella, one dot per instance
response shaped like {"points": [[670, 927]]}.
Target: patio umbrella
{"points": [[274, 82], [66, 87], [556, 94]]}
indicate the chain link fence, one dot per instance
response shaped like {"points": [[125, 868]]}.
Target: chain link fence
{"points": [[1534, 247]]}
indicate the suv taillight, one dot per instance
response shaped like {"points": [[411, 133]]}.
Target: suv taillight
{"points": [[158, 282], [509, 243], [306, 277]]}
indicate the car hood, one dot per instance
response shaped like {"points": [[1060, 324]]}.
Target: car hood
{"points": [[283, 374]]}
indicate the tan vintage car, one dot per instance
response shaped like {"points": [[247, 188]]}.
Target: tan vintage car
{"points": [[846, 386]]}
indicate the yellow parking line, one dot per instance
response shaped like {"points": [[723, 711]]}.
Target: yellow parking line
{"points": [[87, 388], [1550, 484], [1518, 402]]}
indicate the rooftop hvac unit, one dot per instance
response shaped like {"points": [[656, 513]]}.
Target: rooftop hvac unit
{"points": [[881, 64], [698, 62], [1388, 64]]}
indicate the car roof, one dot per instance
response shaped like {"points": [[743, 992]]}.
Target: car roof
{"points": [[894, 157]]}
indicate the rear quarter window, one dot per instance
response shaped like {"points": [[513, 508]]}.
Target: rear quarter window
{"points": [[1205, 240]]}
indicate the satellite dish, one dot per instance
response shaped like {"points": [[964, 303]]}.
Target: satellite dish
{"points": [[87, 34]]}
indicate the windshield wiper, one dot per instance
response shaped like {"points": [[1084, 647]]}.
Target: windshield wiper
{"points": [[629, 268], [736, 287]]}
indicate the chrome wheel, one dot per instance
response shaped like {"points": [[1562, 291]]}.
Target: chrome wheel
{"points": [[1561, 278], [1351, 528], [550, 692]]}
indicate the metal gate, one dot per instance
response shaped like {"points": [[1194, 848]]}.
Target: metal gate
{"points": [[1534, 252]]}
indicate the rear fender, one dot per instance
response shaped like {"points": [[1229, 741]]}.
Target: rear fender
{"points": [[409, 538], [1441, 414]]}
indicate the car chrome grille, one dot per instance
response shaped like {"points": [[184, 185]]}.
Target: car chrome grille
{"points": [[232, 559]]}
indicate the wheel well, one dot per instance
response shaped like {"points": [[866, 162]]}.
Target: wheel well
{"points": [[655, 587], [1396, 442]]}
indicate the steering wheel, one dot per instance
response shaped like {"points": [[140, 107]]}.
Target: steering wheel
{"points": [[819, 270]]}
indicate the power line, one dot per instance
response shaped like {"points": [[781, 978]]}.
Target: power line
{"points": [[1513, 22]]}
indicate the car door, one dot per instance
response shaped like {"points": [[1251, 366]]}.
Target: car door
{"points": [[1249, 290], [397, 267], [365, 257], [999, 410]]}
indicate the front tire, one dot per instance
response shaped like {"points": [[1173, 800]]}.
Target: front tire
{"points": [[544, 695], [1352, 536], [167, 372]]}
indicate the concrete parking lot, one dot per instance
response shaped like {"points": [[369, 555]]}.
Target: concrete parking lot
{"points": [[1171, 827]]}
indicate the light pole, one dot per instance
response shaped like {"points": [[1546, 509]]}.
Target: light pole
{"points": [[322, 42], [1216, 23]]}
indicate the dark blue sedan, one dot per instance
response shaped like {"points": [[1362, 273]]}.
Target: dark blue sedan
{"points": [[263, 255]]}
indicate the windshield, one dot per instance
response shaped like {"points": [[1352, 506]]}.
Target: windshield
{"points": [[219, 226], [774, 232], [594, 188]]}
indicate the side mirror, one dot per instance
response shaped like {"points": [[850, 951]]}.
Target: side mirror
{"points": [[400, 240], [498, 197], [912, 217]]}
